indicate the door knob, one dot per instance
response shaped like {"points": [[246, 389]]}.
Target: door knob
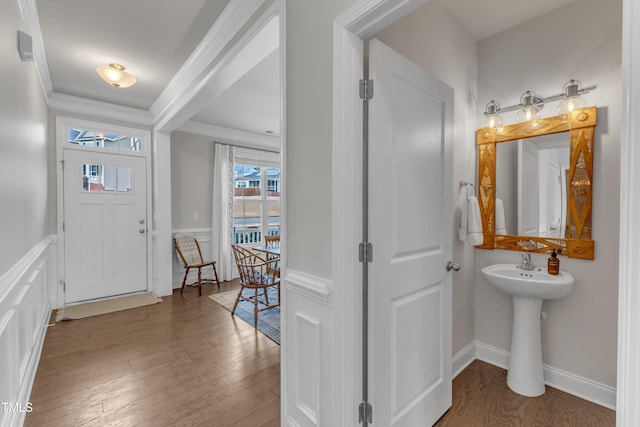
{"points": [[141, 231], [452, 266], [141, 221]]}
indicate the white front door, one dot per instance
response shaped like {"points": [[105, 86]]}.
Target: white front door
{"points": [[105, 223], [410, 211]]}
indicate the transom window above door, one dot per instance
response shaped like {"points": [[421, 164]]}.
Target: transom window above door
{"points": [[99, 139]]}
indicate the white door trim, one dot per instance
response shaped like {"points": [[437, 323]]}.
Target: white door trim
{"points": [[628, 387], [62, 124], [350, 29]]}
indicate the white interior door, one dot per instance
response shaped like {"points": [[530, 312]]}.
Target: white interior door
{"points": [[410, 227], [105, 225], [528, 190]]}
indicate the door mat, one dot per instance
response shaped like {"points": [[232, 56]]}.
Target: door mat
{"points": [[268, 320], [106, 306]]}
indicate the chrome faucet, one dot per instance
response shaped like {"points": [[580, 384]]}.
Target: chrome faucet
{"points": [[525, 262]]}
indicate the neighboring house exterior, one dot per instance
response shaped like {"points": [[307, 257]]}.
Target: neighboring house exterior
{"points": [[253, 179]]}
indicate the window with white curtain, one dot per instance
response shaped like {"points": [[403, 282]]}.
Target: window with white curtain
{"points": [[256, 195]]}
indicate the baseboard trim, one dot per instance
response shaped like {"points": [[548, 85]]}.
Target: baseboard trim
{"points": [[576, 385], [463, 358]]}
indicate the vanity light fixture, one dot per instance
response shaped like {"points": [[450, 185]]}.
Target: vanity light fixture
{"points": [[571, 99], [492, 117], [530, 106], [115, 75]]}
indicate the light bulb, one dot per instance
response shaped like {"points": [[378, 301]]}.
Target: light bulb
{"points": [[530, 106], [492, 118], [571, 97]]}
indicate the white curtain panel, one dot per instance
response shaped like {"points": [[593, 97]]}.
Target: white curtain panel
{"points": [[222, 220]]}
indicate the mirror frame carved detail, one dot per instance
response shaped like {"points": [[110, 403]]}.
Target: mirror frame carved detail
{"points": [[580, 126]]}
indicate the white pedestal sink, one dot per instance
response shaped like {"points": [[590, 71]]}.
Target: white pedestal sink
{"points": [[528, 288]]}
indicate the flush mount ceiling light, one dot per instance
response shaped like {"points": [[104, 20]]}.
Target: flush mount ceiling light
{"points": [[115, 75]]}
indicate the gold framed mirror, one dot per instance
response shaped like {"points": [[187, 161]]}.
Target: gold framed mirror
{"points": [[574, 236]]}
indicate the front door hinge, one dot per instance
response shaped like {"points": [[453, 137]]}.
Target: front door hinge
{"points": [[366, 90], [365, 252], [366, 412]]}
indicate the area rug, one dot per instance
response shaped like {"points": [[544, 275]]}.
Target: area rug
{"points": [[106, 306], [268, 320]]}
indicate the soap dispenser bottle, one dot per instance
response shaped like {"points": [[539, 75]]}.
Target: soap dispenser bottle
{"points": [[553, 264]]}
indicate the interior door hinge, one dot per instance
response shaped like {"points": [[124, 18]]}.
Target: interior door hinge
{"points": [[63, 226], [64, 286], [365, 252], [366, 412], [366, 89], [62, 163]]}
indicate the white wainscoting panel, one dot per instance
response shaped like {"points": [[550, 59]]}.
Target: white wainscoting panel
{"points": [[309, 354], [25, 309], [314, 287], [308, 363]]}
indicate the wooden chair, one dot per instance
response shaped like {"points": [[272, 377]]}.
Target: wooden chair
{"points": [[188, 250], [273, 241], [255, 273]]}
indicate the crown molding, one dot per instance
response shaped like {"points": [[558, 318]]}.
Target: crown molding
{"points": [[232, 136], [367, 17], [227, 26], [32, 23], [78, 105]]}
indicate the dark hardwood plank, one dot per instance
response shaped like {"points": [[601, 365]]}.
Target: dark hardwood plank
{"points": [[185, 361], [481, 398]]}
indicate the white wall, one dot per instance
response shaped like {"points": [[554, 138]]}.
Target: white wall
{"points": [[316, 385], [419, 36], [581, 41], [27, 253], [191, 180], [23, 146], [309, 133]]}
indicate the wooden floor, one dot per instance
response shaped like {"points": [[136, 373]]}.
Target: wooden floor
{"points": [[183, 362], [481, 398], [187, 362]]}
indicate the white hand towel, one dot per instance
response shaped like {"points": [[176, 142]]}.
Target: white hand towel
{"points": [[474, 222], [463, 204], [501, 227]]}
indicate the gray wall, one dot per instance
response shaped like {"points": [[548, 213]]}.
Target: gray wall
{"points": [[23, 146], [309, 133], [418, 36], [580, 330], [191, 180]]}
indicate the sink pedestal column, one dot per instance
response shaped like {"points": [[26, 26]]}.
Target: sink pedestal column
{"points": [[525, 374]]}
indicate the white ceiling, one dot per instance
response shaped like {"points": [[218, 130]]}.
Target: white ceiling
{"points": [[485, 18], [153, 39]]}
